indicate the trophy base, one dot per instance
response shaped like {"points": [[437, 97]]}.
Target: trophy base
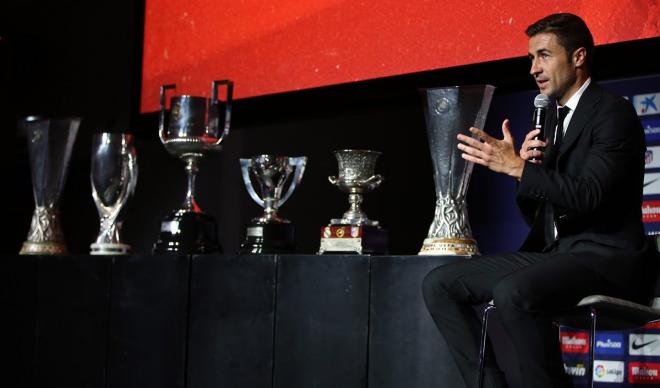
{"points": [[43, 248], [268, 238], [188, 233], [109, 249], [449, 247], [360, 239]]}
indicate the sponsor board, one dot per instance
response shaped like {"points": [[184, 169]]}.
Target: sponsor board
{"points": [[644, 344], [609, 343], [575, 342], [651, 183], [575, 369], [646, 104], [651, 211], [651, 128], [644, 373], [609, 371]]}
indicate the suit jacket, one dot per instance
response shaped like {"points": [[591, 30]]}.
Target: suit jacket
{"points": [[596, 186]]}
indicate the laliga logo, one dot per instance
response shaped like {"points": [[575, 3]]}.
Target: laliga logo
{"points": [[600, 370]]}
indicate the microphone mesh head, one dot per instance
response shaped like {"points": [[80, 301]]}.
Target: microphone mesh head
{"points": [[541, 101]]}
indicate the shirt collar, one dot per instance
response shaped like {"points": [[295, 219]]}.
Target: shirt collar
{"points": [[575, 98]]}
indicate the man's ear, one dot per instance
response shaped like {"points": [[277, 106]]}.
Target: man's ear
{"points": [[580, 57]]}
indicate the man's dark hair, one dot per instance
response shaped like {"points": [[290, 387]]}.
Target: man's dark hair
{"points": [[571, 31]]}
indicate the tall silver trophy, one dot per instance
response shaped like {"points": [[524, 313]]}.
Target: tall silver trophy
{"points": [[354, 231], [450, 111], [113, 175], [271, 233], [50, 142], [195, 129]]}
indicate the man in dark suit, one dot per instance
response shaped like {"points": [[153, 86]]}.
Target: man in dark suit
{"points": [[581, 191]]}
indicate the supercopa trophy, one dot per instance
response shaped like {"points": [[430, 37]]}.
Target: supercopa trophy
{"points": [[354, 232], [49, 144], [270, 233], [194, 130], [113, 174], [450, 111]]}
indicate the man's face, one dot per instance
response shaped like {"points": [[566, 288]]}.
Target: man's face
{"points": [[551, 66]]}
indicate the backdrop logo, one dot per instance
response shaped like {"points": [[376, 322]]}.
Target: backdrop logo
{"points": [[609, 371], [651, 183], [651, 128], [643, 372], [577, 369], [646, 104], [611, 343], [644, 345], [574, 342], [651, 211]]}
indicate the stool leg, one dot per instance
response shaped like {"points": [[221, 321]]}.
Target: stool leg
{"points": [[592, 347], [482, 345]]}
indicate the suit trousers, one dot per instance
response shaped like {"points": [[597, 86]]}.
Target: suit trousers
{"points": [[528, 289]]}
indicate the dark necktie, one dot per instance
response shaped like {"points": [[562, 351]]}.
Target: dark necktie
{"points": [[549, 210], [563, 111]]}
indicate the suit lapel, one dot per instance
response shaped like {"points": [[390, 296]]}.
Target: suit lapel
{"points": [[585, 109], [551, 124]]}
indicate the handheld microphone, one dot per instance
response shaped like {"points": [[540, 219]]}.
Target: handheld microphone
{"points": [[541, 103]]}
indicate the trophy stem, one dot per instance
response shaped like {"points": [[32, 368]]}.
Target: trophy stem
{"points": [[190, 205], [354, 211]]}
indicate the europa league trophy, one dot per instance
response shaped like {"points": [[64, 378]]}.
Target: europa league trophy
{"points": [[113, 174], [450, 111], [49, 144], [354, 232], [270, 233], [194, 130]]}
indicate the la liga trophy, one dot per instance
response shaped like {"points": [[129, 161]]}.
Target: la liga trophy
{"points": [[195, 129], [113, 175], [450, 111], [354, 232], [271, 233], [50, 142]]}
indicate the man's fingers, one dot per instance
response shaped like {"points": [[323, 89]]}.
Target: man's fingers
{"points": [[481, 134], [532, 134], [473, 159], [506, 131], [473, 151], [470, 141]]}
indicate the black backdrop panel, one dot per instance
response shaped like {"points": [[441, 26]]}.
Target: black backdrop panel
{"points": [[18, 288], [232, 316], [71, 325], [148, 322], [321, 322], [405, 347]]}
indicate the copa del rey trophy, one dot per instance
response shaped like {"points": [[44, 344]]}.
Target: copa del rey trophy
{"points": [[50, 142], [354, 232], [271, 233], [450, 111], [194, 130]]}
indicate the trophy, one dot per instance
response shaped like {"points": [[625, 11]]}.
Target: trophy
{"points": [[113, 175], [354, 232], [450, 111], [270, 233], [50, 142], [194, 130]]}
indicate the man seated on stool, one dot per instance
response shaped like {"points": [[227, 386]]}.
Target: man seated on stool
{"points": [[582, 197]]}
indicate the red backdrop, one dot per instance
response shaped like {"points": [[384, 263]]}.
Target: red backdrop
{"points": [[275, 46]]}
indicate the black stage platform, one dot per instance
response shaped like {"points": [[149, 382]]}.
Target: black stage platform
{"points": [[221, 321]]}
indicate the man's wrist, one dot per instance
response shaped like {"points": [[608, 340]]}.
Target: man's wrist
{"points": [[517, 170]]}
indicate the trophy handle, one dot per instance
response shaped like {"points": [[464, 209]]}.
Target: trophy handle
{"points": [[374, 181], [299, 164], [214, 100], [333, 179], [245, 169], [161, 117]]}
